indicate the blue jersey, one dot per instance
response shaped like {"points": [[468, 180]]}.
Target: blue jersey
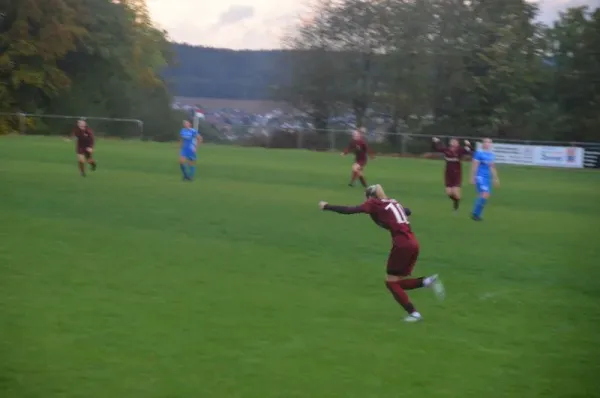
{"points": [[486, 161], [190, 139]]}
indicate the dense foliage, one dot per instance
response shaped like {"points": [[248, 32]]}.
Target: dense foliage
{"points": [[83, 57], [439, 66], [450, 66]]}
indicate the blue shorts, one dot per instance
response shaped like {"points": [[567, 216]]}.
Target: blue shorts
{"points": [[188, 154], [483, 185]]}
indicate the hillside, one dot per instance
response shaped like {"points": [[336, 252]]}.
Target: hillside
{"points": [[222, 73]]}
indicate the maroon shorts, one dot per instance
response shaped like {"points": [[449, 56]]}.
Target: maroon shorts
{"points": [[403, 256], [453, 180], [83, 151], [361, 163]]}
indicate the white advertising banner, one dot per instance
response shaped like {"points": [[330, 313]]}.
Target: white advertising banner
{"points": [[529, 155], [513, 154], [556, 156]]}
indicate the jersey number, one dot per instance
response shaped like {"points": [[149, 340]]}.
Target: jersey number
{"points": [[398, 213]]}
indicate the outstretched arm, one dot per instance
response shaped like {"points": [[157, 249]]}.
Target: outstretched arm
{"points": [[342, 209]]}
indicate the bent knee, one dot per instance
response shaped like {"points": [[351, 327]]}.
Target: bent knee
{"points": [[485, 195], [393, 278]]}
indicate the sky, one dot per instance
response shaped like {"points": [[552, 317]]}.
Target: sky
{"points": [[260, 24]]}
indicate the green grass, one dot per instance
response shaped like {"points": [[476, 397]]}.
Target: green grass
{"points": [[131, 283]]}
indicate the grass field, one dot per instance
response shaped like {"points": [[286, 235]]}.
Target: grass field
{"points": [[131, 283]]}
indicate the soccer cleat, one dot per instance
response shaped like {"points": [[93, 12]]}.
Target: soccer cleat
{"points": [[436, 285], [414, 317], [476, 218], [93, 166]]}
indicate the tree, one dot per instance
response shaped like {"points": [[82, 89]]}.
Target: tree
{"points": [[314, 81], [574, 58], [84, 57], [35, 35], [407, 60], [356, 29]]}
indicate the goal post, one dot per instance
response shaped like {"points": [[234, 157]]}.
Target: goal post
{"points": [[61, 125]]}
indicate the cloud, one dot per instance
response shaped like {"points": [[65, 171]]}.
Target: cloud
{"points": [[549, 9], [260, 24], [236, 13]]}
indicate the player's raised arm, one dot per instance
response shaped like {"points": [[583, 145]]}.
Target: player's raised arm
{"points": [[467, 146], [343, 209], [437, 144]]}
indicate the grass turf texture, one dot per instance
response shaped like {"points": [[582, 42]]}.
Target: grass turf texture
{"points": [[132, 283]]}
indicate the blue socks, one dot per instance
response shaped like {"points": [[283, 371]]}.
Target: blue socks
{"points": [[479, 205], [188, 171], [185, 174]]}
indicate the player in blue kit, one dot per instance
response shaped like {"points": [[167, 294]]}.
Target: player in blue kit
{"points": [[483, 174], [190, 139]]}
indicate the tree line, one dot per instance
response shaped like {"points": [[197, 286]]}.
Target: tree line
{"points": [[221, 73], [449, 66], [83, 57], [431, 66]]}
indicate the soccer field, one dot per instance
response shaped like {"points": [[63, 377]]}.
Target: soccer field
{"points": [[132, 283]]}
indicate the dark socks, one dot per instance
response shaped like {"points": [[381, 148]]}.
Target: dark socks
{"points": [[400, 296]]}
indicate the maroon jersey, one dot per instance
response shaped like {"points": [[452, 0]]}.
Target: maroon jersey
{"points": [[85, 137], [360, 149], [453, 157], [386, 213]]}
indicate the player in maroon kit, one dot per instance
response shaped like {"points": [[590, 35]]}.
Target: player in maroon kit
{"points": [[84, 146], [361, 153], [453, 155], [392, 216]]}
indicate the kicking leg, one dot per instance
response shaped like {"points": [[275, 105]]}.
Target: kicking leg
{"points": [[401, 261], [395, 287]]}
